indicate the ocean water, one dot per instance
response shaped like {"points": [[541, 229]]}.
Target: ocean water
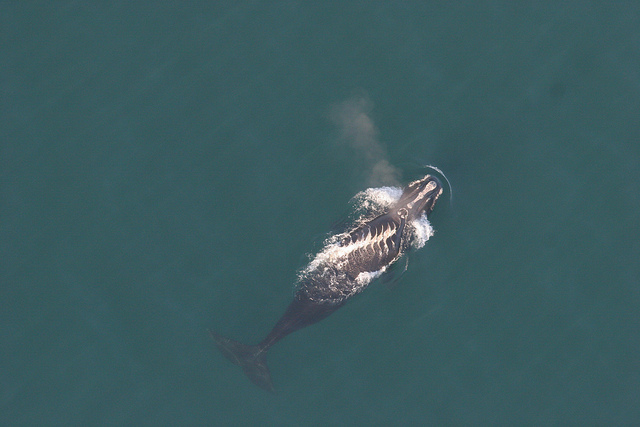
{"points": [[166, 168]]}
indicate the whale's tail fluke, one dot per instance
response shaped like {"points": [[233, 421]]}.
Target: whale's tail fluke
{"points": [[251, 358]]}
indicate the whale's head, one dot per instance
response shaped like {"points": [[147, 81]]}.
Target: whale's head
{"points": [[419, 196]]}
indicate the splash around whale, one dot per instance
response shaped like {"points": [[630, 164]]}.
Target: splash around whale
{"points": [[386, 223]]}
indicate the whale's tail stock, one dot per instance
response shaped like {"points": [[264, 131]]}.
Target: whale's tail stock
{"points": [[251, 358]]}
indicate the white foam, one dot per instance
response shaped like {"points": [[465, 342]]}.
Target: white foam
{"points": [[422, 231], [367, 277], [377, 198], [332, 254]]}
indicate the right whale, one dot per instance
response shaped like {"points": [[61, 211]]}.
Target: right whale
{"points": [[345, 266]]}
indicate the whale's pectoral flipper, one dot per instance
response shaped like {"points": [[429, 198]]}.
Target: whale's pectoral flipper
{"points": [[392, 276], [251, 358]]}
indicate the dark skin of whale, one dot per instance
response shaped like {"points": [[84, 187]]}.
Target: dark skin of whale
{"points": [[367, 248]]}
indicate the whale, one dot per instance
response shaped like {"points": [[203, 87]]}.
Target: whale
{"points": [[347, 264]]}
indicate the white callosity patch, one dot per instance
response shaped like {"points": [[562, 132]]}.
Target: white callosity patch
{"points": [[420, 196], [327, 276]]}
